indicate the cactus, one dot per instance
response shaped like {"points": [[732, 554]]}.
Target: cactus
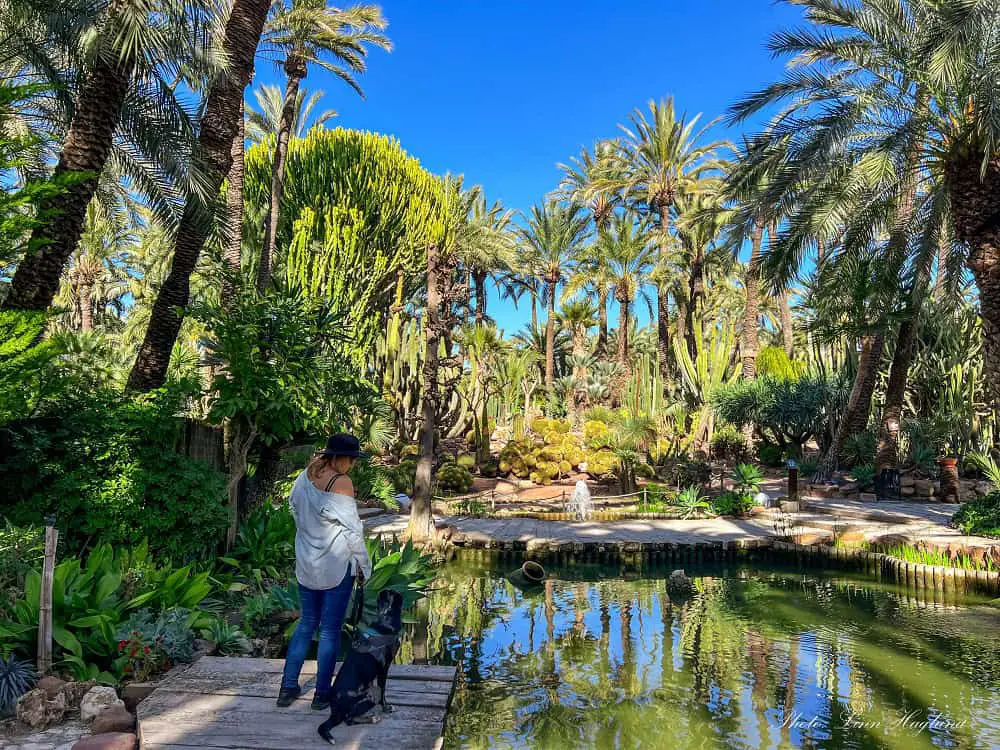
{"points": [[452, 479]]}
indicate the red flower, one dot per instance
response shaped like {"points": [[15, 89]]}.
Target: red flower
{"points": [[145, 649]]}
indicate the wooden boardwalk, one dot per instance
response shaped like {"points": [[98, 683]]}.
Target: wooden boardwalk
{"points": [[229, 703]]}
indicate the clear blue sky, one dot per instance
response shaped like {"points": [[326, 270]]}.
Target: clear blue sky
{"points": [[502, 92]]}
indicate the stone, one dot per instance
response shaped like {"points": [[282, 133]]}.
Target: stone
{"points": [[51, 685], [109, 741], [867, 497], [906, 481], [679, 584], [135, 693], [983, 488], [789, 506], [924, 487], [74, 692], [907, 490], [115, 718], [35, 710], [96, 700]]}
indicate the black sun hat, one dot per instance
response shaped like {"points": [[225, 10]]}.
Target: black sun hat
{"points": [[343, 444]]}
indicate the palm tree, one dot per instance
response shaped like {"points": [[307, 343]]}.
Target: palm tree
{"points": [[300, 33], [578, 317], [265, 121], [662, 158], [589, 180], [131, 54], [484, 258], [629, 256], [219, 126], [552, 237]]}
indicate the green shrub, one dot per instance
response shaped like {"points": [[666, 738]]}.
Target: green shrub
{"points": [[107, 468], [452, 479], [373, 483], [490, 469], [732, 503], [265, 543], [860, 448], [21, 548], [644, 470], [864, 474], [808, 466], [691, 501], [150, 643], [770, 455], [228, 639], [747, 479], [728, 442], [400, 568], [404, 475], [687, 473], [980, 516]]}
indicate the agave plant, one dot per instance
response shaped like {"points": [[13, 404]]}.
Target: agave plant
{"points": [[16, 678], [747, 478], [229, 640], [690, 501]]}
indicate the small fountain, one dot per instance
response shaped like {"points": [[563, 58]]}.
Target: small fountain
{"points": [[580, 504]]}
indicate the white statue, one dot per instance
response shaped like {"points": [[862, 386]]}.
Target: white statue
{"points": [[580, 504]]}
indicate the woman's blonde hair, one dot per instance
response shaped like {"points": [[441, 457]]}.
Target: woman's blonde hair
{"points": [[318, 462]]}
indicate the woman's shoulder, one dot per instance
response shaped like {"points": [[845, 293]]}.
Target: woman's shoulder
{"points": [[343, 485]]}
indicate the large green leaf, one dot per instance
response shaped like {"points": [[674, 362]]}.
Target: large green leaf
{"points": [[66, 639]]}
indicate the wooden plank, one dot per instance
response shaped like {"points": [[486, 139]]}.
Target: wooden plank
{"points": [[395, 693], [264, 685], [222, 664]]}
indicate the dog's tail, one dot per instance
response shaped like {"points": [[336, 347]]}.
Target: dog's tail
{"points": [[326, 729]]}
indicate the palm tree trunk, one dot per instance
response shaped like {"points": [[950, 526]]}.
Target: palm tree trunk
{"points": [[84, 154], [941, 274], [975, 205], [534, 306], [751, 313], [550, 337], [787, 337], [479, 279], [421, 518], [295, 68], [602, 322], [859, 403], [219, 124], [662, 303], [623, 323], [696, 293], [232, 253], [86, 309]]}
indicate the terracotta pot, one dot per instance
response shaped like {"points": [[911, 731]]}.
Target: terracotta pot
{"points": [[947, 463]]}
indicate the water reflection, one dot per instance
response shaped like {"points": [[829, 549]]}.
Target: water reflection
{"points": [[754, 659]]}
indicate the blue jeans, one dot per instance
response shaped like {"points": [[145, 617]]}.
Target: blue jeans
{"points": [[324, 609]]}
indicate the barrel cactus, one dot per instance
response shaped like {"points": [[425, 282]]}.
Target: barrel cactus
{"points": [[453, 479]]}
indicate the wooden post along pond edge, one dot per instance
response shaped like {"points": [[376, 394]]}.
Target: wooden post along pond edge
{"points": [[45, 602]]}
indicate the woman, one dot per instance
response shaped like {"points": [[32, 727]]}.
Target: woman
{"points": [[329, 553]]}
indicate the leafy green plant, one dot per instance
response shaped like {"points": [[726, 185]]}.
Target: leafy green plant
{"points": [[149, 644], [265, 543], [691, 501], [404, 475], [860, 448], [229, 640], [988, 466], [400, 568], [20, 549], [864, 474], [732, 503], [808, 466], [469, 507], [980, 516], [747, 479], [17, 677], [373, 482], [770, 455], [728, 442]]}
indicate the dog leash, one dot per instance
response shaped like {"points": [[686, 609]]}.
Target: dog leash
{"points": [[359, 602]]}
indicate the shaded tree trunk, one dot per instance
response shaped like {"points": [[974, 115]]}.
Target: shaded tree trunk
{"points": [[751, 313], [232, 252], [859, 403], [975, 205], [787, 331], [602, 322], [663, 302], [550, 336], [696, 294], [941, 274], [534, 307], [479, 280], [86, 309], [219, 124], [421, 519], [84, 154], [295, 69]]}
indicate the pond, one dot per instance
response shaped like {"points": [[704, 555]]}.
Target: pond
{"points": [[756, 658]]}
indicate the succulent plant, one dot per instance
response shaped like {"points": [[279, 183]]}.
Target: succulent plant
{"points": [[453, 479], [229, 640], [16, 678]]}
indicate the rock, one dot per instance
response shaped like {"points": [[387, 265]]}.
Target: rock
{"points": [[51, 685], [907, 490], [96, 700], [789, 506], [983, 488], [136, 692], [924, 487], [74, 692], [849, 487], [906, 481], [867, 497], [115, 718], [35, 710], [109, 741], [678, 584]]}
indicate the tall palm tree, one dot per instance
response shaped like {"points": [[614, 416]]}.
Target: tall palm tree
{"points": [[578, 316], [629, 255], [590, 180], [130, 54], [265, 121], [491, 253], [591, 276], [552, 237], [300, 33], [662, 156], [219, 126]]}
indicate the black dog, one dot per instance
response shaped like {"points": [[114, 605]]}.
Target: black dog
{"points": [[360, 684]]}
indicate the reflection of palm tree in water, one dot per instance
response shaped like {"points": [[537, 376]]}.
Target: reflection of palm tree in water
{"points": [[759, 648], [788, 703]]}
